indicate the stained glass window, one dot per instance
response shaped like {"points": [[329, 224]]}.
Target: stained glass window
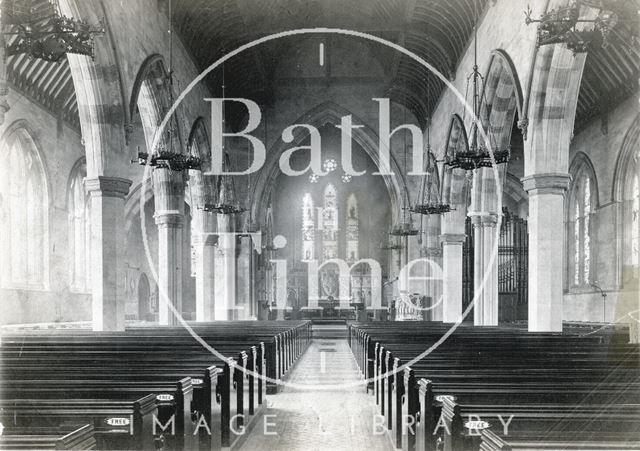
{"points": [[308, 228], [582, 208], [330, 223]]}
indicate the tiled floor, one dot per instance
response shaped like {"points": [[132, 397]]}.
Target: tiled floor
{"points": [[318, 419]]}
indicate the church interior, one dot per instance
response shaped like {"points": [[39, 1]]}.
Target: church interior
{"points": [[320, 225]]}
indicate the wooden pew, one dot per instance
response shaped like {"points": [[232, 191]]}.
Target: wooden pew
{"points": [[396, 403], [81, 438], [491, 441], [82, 353], [117, 424], [618, 423]]}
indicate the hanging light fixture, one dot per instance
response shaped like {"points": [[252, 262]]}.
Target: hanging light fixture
{"points": [[227, 204], [390, 244], [38, 29], [478, 155], [560, 26], [164, 155], [433, 204], [406, 227]]}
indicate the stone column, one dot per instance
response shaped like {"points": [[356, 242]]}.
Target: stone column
{"points": [[107, 251], [434, 286], [433, 252], [546, 241], [225, 270], [485, 274], [245, 278], [169, 216], [452, 276], [205, 241]]}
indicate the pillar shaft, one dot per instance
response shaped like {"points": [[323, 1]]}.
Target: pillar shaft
{"points": [[485, 273], [546, 240], [169, 217], [452, 277], [225, 270], [205, 242], [107, 251]]}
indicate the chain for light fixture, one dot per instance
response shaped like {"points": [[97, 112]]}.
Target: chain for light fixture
{"points": [[164, 156], [478, 155], [406, 227], [432, 206], [560, 26]]}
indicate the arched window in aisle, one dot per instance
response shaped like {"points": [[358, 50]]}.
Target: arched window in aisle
{"points": [[329, 224], [352, 228], [631, 210], [308, 228], [582, 204], [79, 230], [25, 203]]}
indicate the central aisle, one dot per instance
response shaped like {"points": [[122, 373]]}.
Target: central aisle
{"points": [[320, 419]]}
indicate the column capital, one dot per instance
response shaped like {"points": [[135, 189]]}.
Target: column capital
{"points": [[453, 238], [169, 219], [484, 219], [107, 186], [548, 183]]}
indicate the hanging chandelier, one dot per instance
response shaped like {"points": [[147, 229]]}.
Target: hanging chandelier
{"points": [[390, 245], [227, 205], [36, 28], [433, 204], [560, 26], [477, 155], [165, 155]]}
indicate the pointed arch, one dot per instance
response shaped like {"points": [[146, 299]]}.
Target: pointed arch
{"points": [[79, 218], [580, 217], [25, 197], [323, 114], [626, 193]]}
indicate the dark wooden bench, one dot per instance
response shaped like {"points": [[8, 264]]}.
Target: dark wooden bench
{"points": [[118, 424], [81, 438]]}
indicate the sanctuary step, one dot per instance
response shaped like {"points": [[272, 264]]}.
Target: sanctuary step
{"points": [[330, 330]]}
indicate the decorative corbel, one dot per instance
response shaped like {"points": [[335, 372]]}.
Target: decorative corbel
{"points": [[523, 125]]}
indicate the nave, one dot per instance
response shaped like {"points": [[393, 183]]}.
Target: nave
{"points": [[481, 389], [213, 210], [324, 414]]}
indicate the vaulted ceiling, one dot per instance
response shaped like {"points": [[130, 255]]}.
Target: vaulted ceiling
{"points": [[436, 30]]}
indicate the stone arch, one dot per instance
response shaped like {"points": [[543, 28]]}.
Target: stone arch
{"points": [[553, 100], [327, 113], [100, 95], [455, 183], [501, 100], [627, 159], [627, 149]]}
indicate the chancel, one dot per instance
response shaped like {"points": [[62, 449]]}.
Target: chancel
{"points": [[320, 225]]}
